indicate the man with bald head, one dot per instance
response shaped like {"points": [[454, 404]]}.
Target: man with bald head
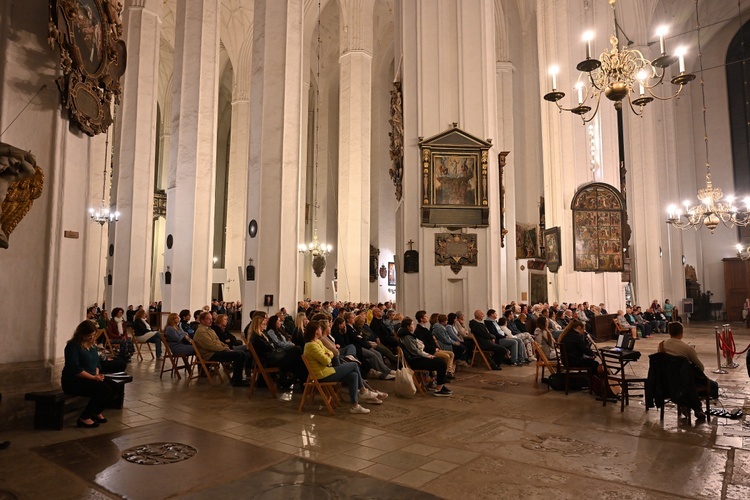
{"points": [[486, 341]]}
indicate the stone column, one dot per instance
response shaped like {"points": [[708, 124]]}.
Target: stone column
{"points": [[565, 147], [190, 188], [274, 153], [355, 94], [237, 223], [135, 147]]}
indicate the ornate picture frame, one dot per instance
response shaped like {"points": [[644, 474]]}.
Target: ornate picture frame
{"points": [[456, 250], [454, 180], [391, 274], [598, 228], [552, 248], [527, 241], [92, 59]]}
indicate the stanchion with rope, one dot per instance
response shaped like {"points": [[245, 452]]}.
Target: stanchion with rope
{"points": [[725, 344]]}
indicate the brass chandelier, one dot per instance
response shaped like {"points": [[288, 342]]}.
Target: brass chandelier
{"points": [[103, 215], [713, 208], [620, 73]]}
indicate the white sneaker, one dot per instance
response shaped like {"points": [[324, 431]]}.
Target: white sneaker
{"points": [[375, 401], [358, 409], [390, 376], [368, 395], [381, 395], [532, 359]]}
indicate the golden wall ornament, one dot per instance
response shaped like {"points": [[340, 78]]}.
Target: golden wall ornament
{"points": [[21, 182], [397, 139], [92, 59], [455, 250]]}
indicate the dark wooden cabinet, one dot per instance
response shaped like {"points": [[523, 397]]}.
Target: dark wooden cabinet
{"points": [[603, 328], [736, 286]]}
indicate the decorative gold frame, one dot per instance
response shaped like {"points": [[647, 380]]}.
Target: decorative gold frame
{"points": [[454, 180], [598, 228], [456, 250], [92, 59]]}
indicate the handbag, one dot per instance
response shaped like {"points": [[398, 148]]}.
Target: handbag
{"points": [[404, 379]]}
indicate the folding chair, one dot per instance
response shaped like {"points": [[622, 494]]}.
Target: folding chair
{"points": [[417, 375], [138, 343], [541, 360], [259, 370], [614, 370], [108, 346], [564, 367], [478, 349], [174, 359], [329, 391], [205, 366]]}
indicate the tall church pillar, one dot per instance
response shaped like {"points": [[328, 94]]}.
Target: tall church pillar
{"points": [[135, 147], [237, 225], [448, 77], [355, 95], [503, 260], [566, 146], [190, 189], [274, 153]]}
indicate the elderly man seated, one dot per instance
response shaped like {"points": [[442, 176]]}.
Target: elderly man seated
{"points": [[213, 349]]}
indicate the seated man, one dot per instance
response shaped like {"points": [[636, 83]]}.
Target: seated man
{"points": [[676, 347], [639, 321], [213, 349], [487, 341]]}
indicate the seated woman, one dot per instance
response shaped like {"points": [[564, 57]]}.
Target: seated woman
{"points": [[319, 358], [579, 353], [418, 359], [298, 334], [117, 334], [625, 325], [544, 338], [289, 360], [273, 331], [220, 327], [144, 332], [185, 323], [179, 342], [81, 375], [524, 337]]}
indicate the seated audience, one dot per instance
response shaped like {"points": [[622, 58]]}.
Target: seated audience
{"points": [[288, 359], [446, 337], [81, 375], [418, 359], [486, 340], [179, 341], [319, 358], [625, 325], [213, 349], [544, 338], [368, 349], [118, 335], [144, 332], [579, 353], [185, 325], [423, 331]]}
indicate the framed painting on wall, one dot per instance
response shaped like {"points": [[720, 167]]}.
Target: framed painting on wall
{"points": [[598, 225], [552, 248], [526, 241], [391, 274]]}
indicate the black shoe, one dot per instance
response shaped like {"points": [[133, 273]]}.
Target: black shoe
{"points": [[241, 383], [444, 392], [495, 366], [81, 423], [4, 445], [99, 420], [450, 376]]}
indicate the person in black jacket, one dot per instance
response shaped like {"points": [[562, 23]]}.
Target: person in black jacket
{"points": [[579, 353], [487, 341]]}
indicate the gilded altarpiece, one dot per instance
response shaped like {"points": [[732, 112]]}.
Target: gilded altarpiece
{"points": [[598, 224]]}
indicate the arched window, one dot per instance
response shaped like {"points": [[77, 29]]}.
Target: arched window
{"points": [[738, 90]]}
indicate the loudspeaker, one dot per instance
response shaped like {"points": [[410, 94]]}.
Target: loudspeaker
{"points": [[168, 278], [411, 261], [250, 273]]}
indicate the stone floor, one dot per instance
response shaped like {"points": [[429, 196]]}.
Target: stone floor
{"points": [[497, 437]]}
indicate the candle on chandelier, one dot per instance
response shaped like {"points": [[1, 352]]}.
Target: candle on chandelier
{"points": [[579, 87], [587, 37], [660, 32], [553, 71], [680, 52]]}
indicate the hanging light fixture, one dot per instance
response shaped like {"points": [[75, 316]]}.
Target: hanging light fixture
{"points": [[713, 208], [103, 214], [619, 73], [742, 252], [317, 249]]}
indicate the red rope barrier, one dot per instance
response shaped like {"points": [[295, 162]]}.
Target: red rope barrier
{"points": [[728, 347]]}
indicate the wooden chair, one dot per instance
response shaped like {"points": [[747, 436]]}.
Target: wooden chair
{"points": [[137, 343], [564, 367], [621, 329], [174, 359], [541, 360], [210, 368], [261, 371], [108, 346], [329, 391], [478, 350], [417, 374], [671, 378], [614, 371]]}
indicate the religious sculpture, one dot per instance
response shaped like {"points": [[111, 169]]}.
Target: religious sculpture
{"points": [[21, 182], [397, 139]]}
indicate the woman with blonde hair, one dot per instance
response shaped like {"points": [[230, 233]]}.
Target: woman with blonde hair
{"points": [[289, 360], [298, 335], [178, 341]]}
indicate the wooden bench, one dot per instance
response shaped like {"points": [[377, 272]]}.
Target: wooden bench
{"points": [[49, 411]]}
